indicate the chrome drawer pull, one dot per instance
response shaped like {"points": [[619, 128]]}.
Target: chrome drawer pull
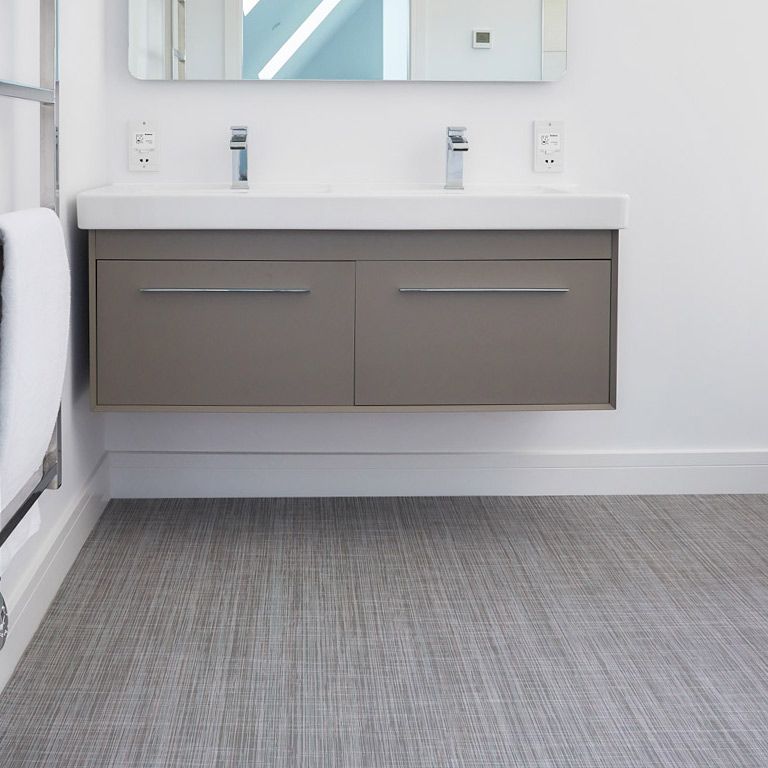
{"points": [[484, 290], [224, 290]]}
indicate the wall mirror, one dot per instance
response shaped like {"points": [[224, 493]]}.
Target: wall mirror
{"points": [[453, 40]]}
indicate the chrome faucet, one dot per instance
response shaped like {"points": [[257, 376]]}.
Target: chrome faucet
{"points": [[454, 169], [238, 143]]}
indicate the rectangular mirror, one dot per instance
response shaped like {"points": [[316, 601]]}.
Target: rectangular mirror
{"points": [[453, 40]]}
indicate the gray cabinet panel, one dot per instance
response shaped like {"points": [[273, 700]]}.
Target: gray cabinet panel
{"points": [[197, 347], [490, 347], [296, 245]]}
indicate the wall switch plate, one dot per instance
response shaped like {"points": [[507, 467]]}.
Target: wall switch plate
{"points": [[549, 146], [142, 147]]}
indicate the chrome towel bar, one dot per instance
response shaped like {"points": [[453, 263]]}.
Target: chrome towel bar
{"points": [[27, 92]]}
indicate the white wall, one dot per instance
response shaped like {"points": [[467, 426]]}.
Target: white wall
{"points": [[654, 103], [68, 514], [19, 60]]}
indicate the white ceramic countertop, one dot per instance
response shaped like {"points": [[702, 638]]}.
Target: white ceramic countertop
{"points": [[350, 206]]}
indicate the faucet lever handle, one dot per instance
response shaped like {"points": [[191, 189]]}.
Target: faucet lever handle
{"points": [[457, 140], [239, 136]]}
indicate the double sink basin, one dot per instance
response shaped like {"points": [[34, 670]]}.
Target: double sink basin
{"points": [[350, 207]]}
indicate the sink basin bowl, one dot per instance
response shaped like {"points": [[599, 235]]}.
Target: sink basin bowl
{"points": [[349, 206]]}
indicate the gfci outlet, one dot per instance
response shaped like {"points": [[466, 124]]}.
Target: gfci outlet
{"points": [[142, 147], [549, 146]]}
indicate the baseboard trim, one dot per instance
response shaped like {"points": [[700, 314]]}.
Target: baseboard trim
{"points": [[189, 475], [46, 570]]}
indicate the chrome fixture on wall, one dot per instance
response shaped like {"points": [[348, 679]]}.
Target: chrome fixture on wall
{"points": [[457, 145], [238, 143]]}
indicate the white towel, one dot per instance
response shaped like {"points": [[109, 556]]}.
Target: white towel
{"points": [[34, 334]]}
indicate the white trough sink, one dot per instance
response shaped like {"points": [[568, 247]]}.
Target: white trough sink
{"points": [[349, 206]]}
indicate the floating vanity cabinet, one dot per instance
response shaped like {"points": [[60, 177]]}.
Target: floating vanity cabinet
{"points": [[353, 320]]}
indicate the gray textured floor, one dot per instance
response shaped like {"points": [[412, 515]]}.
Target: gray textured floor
{"points": [[584, 633]]}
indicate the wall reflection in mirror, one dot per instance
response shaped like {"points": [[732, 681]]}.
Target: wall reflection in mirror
{"points": [[476, 40]]}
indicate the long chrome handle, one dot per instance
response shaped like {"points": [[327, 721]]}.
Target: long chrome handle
{"points": [[224, 290], [484, 290]]}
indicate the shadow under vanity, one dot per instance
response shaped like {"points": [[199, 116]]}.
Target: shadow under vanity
{"points": [[334, 320]]}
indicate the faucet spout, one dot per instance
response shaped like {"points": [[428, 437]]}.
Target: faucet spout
{"points": [[238, 143], [457, 145]]}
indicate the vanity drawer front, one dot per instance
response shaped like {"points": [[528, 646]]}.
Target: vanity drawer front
{"points": [[218, 333], [484, 333]]}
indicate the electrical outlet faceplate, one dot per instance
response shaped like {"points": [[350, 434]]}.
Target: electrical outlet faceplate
{"points": [[549, 146], [142, 147]]}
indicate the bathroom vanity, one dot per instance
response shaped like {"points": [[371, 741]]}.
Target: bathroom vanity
{"points": [[489, 299]]}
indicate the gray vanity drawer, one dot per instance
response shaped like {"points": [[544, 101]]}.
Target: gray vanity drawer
{"points": [[494, 341], [232, 333]]}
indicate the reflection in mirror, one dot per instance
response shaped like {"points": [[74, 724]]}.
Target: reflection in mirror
{"points": [[478, 40]]}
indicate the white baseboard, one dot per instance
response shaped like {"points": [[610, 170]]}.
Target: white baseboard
{"points": [[189, 475], [46, 570]]}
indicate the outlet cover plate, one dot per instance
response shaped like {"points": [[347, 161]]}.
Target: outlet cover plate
{"points": [[143, 155], [549, 146]]}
